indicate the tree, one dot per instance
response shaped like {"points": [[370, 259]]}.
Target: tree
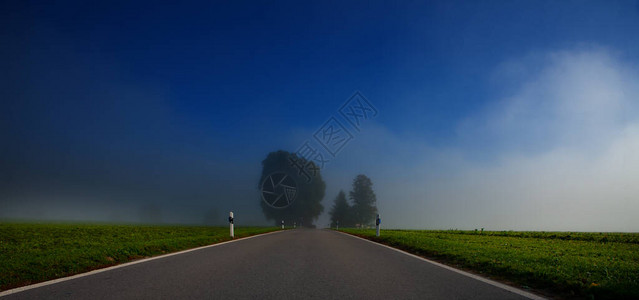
{"points": [[307, 205], [364, 200], [341, 211]]}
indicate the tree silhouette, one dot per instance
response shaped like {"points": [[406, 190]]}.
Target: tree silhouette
{"points": [[309, 193], [341, 211], [364, 200]]}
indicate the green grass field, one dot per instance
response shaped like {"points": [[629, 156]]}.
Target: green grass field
{"points": [[568, 264], [31, 253]]}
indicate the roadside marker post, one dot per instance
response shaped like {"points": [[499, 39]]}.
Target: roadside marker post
{"points": [[337, 222], [282, 224], [377, 222], [231, 224]]}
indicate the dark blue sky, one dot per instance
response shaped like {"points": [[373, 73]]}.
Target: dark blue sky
{"points": [[132, 97]]}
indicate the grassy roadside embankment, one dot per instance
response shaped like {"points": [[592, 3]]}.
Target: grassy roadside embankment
{"points": [[568, 264], [31, 253]]}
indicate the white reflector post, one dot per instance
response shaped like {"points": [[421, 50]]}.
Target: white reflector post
{"points": [[377, 222], [231, 224]]}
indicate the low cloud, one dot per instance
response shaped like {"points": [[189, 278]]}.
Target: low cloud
{"points": [[559, 152], [556, 150]]}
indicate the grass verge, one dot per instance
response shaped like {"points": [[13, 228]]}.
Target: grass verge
{"points": [[567, 264], [31, 253]]}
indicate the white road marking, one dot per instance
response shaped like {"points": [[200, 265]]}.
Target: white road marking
{"points": [[477, 277], [54, 281]]}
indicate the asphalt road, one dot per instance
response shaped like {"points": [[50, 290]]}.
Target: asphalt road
{"points": [[294, 264]]}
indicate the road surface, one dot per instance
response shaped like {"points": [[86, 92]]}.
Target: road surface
{"points": [[294, 264]]}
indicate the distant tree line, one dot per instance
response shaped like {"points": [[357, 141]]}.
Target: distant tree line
{"points": [[360, 210]]}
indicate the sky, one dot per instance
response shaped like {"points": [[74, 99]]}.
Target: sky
{"points": [[504, 115]]}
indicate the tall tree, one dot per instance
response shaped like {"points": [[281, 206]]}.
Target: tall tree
{"points": [[364, 200], [341, 211], [309, 192]]}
